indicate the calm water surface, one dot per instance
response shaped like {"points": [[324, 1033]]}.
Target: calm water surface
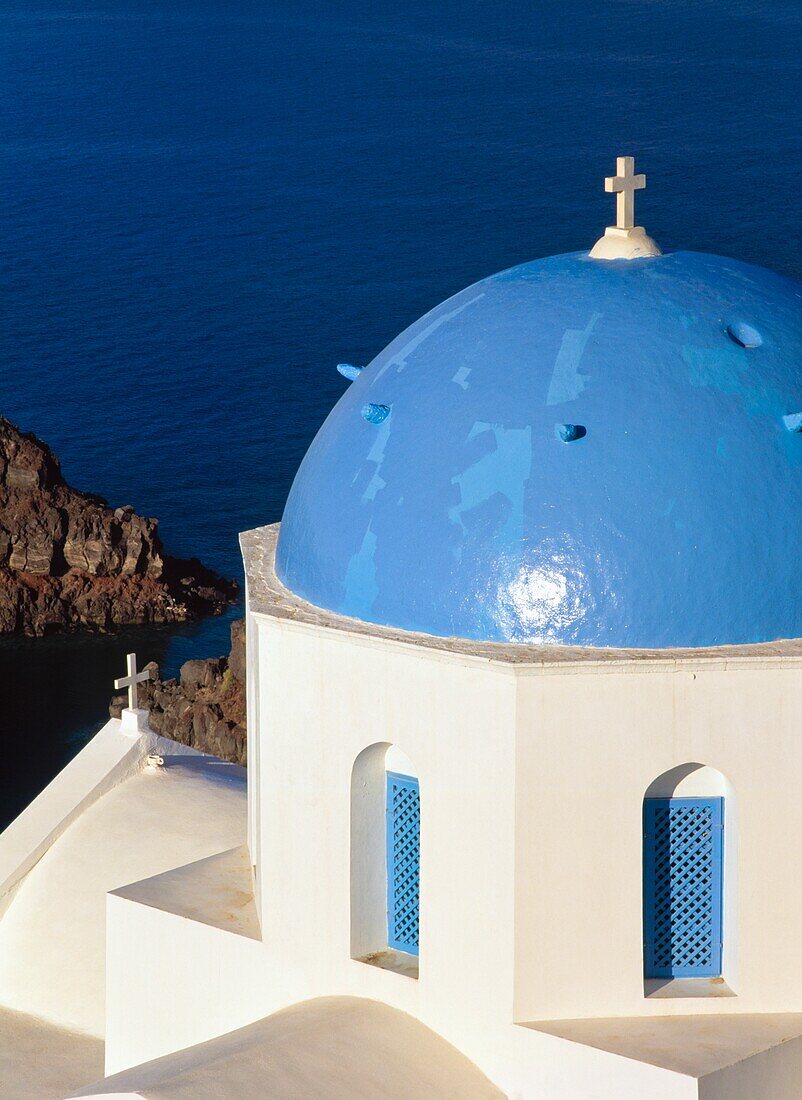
{"points": [[206, 206]]}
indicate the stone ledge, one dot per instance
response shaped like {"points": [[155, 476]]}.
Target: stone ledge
{"points": [[216, 890], [693, 1045], [266, 595]]}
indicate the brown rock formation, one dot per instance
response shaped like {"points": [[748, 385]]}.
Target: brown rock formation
{"points": [[204, 707], [68, 561]]}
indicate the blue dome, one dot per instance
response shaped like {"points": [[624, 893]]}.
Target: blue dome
{"points": [[573, 451]]}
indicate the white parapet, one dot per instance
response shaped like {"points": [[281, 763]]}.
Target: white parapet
{"points": [[101, 765]]}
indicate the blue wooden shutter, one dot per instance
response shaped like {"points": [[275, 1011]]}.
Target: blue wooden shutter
{"points": [[403, 862], [683, 852]]}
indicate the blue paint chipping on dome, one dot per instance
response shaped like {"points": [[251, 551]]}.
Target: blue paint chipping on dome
{"points": [[675, 520]]}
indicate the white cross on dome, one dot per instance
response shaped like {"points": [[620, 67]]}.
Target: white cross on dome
{"points": [[625, 183], [624, 240]]}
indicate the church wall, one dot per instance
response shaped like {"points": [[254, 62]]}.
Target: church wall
{"points": [[174, 983], [323, 698], [590, 742], [326, 696], [254, 786], [771, 1073]]}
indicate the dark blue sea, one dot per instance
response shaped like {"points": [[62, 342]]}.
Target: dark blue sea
{"points": [[204, 206]]}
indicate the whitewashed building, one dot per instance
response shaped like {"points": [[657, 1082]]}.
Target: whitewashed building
{"points": [[522, 814]]}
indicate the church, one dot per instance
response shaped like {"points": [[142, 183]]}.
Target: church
{"points": [[522, 813]]}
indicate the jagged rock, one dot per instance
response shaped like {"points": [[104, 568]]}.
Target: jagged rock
{"points": [[198, 674], [204, 707], [236, 659], [69, 562]]}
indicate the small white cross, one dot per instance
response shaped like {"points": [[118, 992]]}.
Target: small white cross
{"points": [[132, 680], [625, 183]]}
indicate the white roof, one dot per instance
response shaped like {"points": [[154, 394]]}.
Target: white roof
{"points": [[38, 1059], [53, 935], [332, 1048]]}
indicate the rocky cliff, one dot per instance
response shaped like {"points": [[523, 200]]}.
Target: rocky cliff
{"points": [[68, 561], [204, 707]]}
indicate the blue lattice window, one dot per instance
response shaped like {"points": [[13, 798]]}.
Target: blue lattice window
{"points": [[403, 862], [683, 851]]}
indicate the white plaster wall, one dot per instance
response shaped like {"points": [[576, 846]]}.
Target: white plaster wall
{"points": [[324, 698], [561, 807], [590, 742], [173, 983], [368, 902], [774, 1074], [254, 790]]}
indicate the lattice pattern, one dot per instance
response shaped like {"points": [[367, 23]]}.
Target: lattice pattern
{"points": [[403, 861], [682, 861]]}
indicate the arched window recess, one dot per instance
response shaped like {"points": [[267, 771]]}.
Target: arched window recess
{"points": [[385, 860], [689, 883]]}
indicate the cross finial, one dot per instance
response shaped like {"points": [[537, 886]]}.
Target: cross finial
{"points": [[132, 681], [624, 240], [625, 183]]}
